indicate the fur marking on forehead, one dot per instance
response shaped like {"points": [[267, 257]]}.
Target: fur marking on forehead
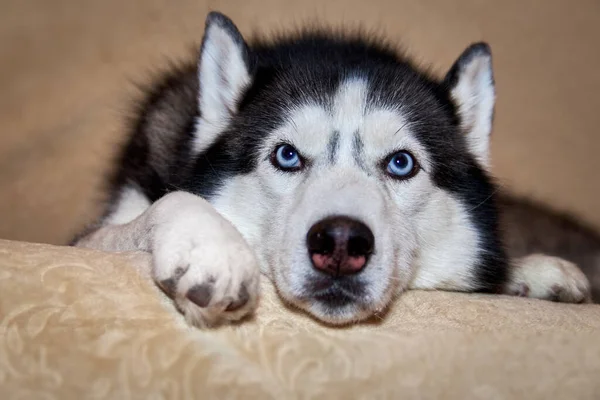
{"points": [[358, 151], [333, 146], [349, 105]]}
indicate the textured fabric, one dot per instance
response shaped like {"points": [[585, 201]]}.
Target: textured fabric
{"points": [[85, 324]]}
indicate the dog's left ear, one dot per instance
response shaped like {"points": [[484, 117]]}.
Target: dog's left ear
{"points": [[470, 83], [223, 75]]}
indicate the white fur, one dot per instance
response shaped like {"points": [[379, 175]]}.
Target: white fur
{"points": [[130, 205], [193, 245], [545, 277], [243, 202], [474, 95], [448, 245], [349, 106], [275, 210], [190, 234], [223, 76]]}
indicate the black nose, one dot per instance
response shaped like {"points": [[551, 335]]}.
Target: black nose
{"points": [[339, 245]]}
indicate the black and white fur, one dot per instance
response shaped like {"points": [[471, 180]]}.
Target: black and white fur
{"points": [[196, 185]]}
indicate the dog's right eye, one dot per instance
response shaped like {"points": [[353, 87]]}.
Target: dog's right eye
{"points": [[401, 165], [286, 158]]}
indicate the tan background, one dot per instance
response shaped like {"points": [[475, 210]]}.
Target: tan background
{"points": [[66, 68]]}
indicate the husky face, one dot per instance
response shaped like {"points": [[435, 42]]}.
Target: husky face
{"points": [[351, 174]]}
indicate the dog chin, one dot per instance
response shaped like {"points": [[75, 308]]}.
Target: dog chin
{"points": [[339, 316], [333, 302], [324, 311], [337, 309]]}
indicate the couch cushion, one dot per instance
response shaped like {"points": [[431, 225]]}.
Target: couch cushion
{"points": [[78, 323]]}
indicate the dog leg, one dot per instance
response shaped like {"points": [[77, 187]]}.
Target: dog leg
{"points": [[199, 259], [548, 278]]}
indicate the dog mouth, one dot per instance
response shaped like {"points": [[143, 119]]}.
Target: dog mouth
{"points": [[335, 293]]}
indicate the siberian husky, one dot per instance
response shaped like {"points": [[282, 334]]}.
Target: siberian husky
{"points": [[337, 168]]}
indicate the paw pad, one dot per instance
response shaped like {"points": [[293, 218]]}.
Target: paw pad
{"points": [[243, 298], [169, 285], [522, 290], [201, 294]]}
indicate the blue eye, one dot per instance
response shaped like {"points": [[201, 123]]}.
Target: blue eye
{"points": [[401, 165], [286, 157]]}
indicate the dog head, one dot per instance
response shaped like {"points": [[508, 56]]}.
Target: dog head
{"points": [[351, 173]]}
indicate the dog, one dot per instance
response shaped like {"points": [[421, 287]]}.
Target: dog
{"points": [[333, 165]]}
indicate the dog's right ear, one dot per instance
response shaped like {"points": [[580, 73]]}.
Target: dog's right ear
{"points": [[223, 73], [470, 83]]}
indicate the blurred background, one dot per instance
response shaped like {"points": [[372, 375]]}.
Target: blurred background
{"points": [[67, 67]]}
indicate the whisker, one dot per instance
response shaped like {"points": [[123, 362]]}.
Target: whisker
{"points": [[485, 200], [402, 127], [376, 315], [394, 278]]}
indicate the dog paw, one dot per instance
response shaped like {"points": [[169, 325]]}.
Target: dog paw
{"points": [[202, 262], [548, 278]]}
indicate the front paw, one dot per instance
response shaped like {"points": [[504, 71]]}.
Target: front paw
{"points": [[548, 278], [203, 263]]}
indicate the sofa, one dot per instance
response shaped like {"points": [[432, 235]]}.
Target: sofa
{"points": [[79, 323]]}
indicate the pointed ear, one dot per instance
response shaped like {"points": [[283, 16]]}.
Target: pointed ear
{"points": [[470, 83], [223, 73]]}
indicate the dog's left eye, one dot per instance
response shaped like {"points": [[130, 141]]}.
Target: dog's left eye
{"points": [[286, 157], [401, 165]]}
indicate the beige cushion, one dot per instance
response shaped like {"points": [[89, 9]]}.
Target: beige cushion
{"points": [[85, 324]]}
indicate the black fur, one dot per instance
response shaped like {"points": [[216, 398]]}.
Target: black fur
{"points": [[156, 156]]}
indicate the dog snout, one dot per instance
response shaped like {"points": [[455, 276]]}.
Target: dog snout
{"points": [[340, 245]]}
